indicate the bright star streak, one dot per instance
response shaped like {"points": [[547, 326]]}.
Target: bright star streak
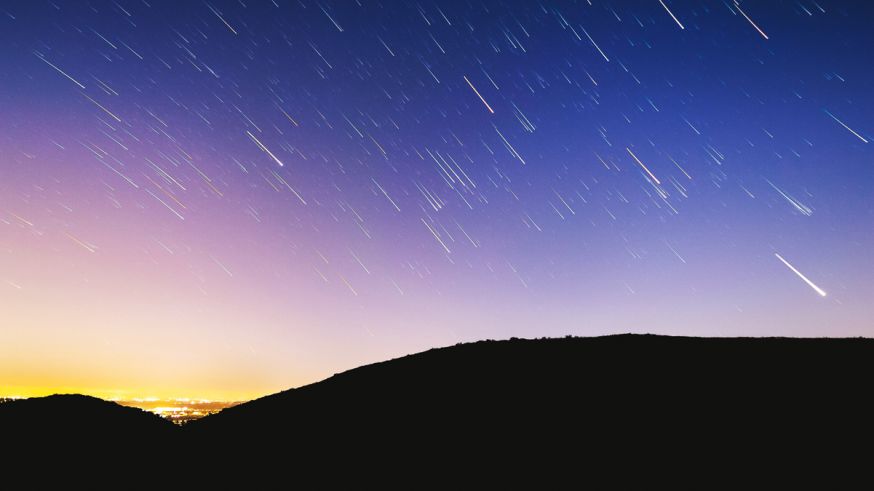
{"points": [[478, 95], [266, 150], [654, 178], [818, 290], [747, 17], [845, 126], [671, 14], [59, 70]]}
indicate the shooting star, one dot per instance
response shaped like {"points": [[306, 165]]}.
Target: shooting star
{"points": [[217, 14], [595, 44], [845, 126], [262, 147], [479, 95], [47, 62], [747, 17], [87, 247], [654, 178], [671, 14], [817, 289]]}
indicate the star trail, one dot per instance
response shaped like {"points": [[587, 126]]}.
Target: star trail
{"points": [[221, 199]]}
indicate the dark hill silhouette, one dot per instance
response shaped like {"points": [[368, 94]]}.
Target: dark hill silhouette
{"points": [[72, 428], [74, 415], [626, 398], [628, 406]]}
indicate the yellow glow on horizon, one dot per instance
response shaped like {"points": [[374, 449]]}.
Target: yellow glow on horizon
{"points": [[132, 395]]}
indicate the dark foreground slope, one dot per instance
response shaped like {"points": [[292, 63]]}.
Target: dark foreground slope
{"points": [[75, 416], [81, 429], [628, 407], [576, 401]]}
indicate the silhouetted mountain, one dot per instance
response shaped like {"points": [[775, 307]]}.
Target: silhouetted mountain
{"points": [[623, 405], [628, 398], [74, 415], [70, 428]]}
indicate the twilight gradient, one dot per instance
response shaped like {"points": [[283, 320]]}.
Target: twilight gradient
{"points": [[223, 199]]}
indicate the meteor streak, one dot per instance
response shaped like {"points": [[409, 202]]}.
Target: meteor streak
{"points": [[654, 178], [58, 69], [747, 17], [671, 14], [817, 289], [478, 95], [845, 126], [266, 150]]}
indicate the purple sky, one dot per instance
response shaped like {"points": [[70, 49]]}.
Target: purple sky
{"points": [[225, 199]]}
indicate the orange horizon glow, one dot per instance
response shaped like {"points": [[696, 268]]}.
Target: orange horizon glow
{"points": [[130, 395], [142, 394]]}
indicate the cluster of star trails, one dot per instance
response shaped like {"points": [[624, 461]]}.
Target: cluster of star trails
{"points": [[425, 147]]}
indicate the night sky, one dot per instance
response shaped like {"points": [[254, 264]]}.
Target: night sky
{"points": [[228, 198]]}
